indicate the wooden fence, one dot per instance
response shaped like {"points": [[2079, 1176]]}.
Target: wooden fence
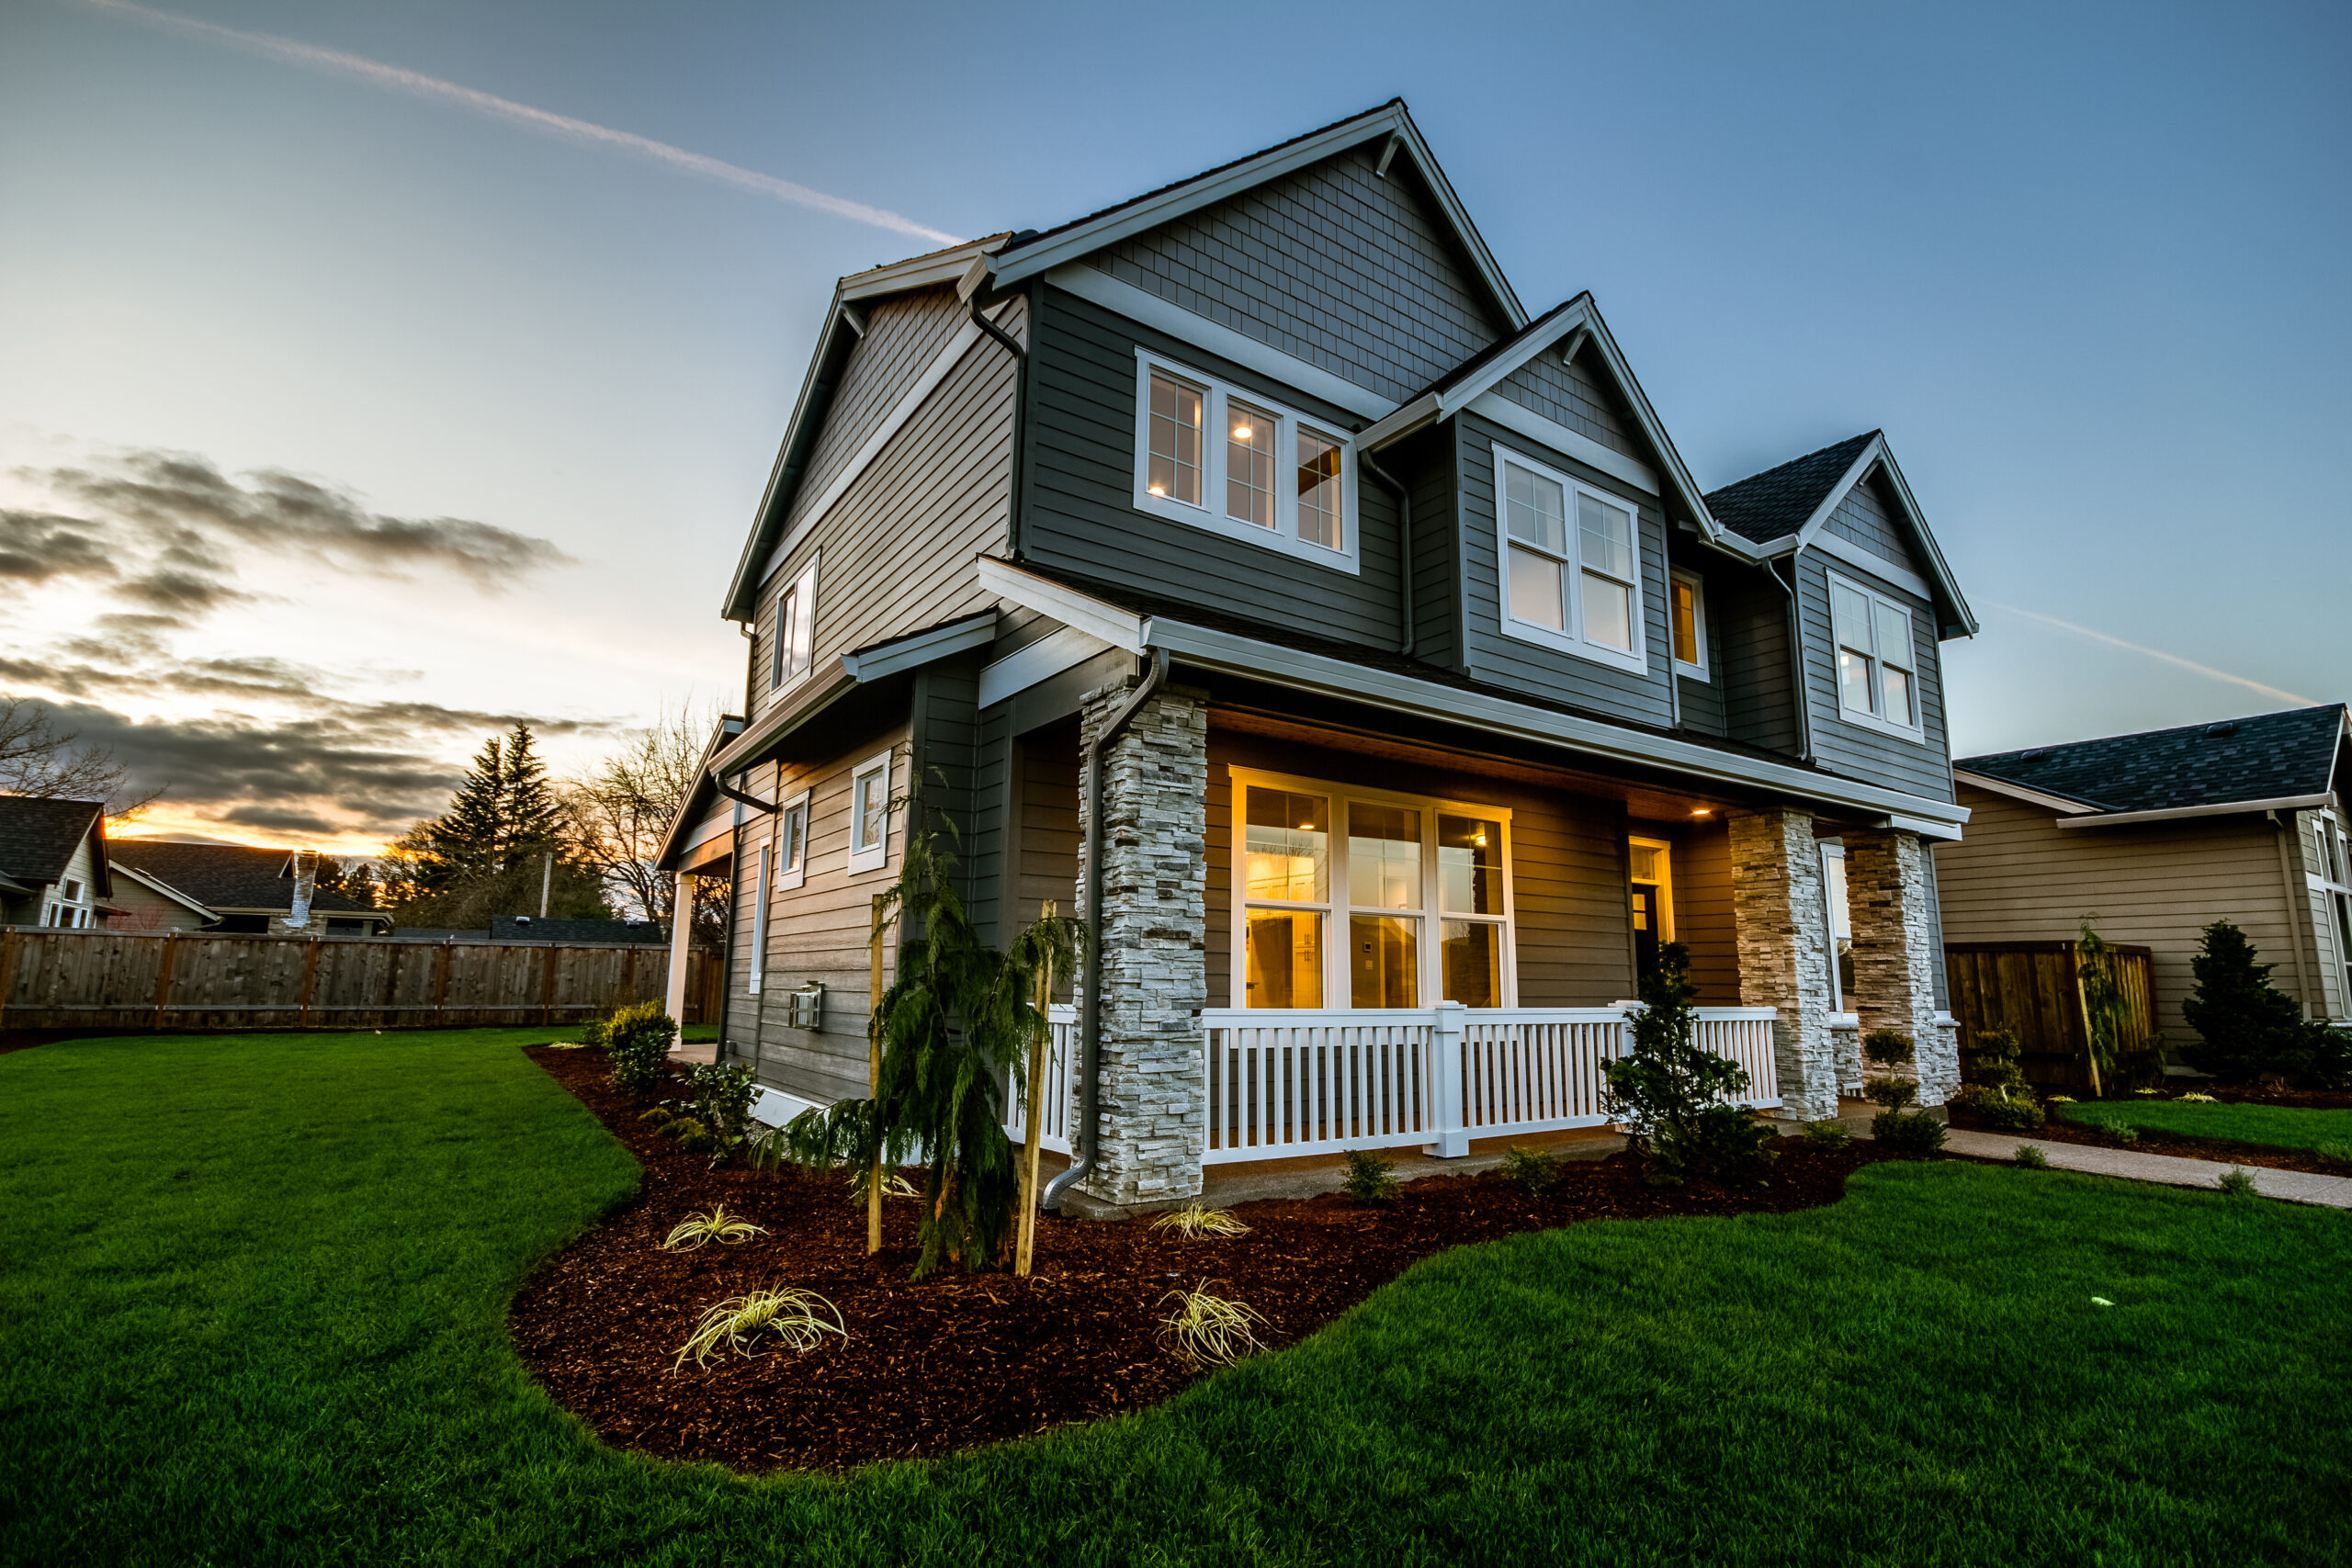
{"points": [[2034, 989], [138, 980]]}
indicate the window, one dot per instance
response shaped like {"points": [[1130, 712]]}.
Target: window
{"points": [[751, 971], [1215, 456], [791, 643], [1841, 920], [71, 892], [792, 843], [1572, 563], [1878, 678], [1361, 898], [1687, 618], [2333, 868], [869, 814]]}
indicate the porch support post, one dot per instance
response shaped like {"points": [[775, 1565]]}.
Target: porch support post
{"points": [[681, 926], [1152, 1101], [1783, 932], [1445, 1071], [1891, 892]]}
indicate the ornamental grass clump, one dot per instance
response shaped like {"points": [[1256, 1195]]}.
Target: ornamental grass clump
{"points": [[1209, 1330], [2237, 1181], [1680, 1106], [798, 1318], [1196, 1220], [2193, 1098], [2334, 1152], [1530, 1169], [689, 1233], [2030, 1157], [1371, 1178]]}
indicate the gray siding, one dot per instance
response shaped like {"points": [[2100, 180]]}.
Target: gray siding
{"points": [[1572, 395], [1081, 497], [1756, 671], [1867, 517], [903, 334], [1859, 751], [1702, 699], [1334, 264], [1491, 655]]}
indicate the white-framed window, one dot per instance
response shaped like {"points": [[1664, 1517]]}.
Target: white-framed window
{"points": [[2332, 868], [1356, 898], [792, 843], [869, 814], [1571, 563], [752, 970], [71, 891], [1878, 663], [1686, 622], [1222, 458], [791, 646], [1839, 921]]}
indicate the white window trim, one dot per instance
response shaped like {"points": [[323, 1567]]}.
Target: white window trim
{"points": [[789, 876], [1336, 909], [869, 857], [1665, 884], [805, 585], [1282, 537], [1832, 582], [1570, 640], [1697, 586], [2331, 878], [752, 971]]}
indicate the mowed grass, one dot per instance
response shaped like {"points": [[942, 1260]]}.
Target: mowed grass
{"points": [[253, 1299], [2279, 1126]]}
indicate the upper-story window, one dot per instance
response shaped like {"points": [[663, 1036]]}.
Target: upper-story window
{"points": [[792, 843], [1571, 563], [869, 814], [1878, 670], [1687, 618], [1226, 460], [792, 644]]}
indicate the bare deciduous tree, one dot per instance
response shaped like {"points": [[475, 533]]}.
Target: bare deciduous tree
{"points": [[41, 760], [621, 808]]}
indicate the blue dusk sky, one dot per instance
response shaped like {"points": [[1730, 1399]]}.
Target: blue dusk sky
{"points": [[372, 375]]}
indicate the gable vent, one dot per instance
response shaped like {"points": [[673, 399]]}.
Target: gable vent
{"points": [[2215, 731], [2033, 756]]}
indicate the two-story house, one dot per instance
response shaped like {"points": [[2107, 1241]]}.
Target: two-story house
{"points": [[1244, 566]]}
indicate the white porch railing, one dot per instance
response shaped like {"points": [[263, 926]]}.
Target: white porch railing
{"points": [[1288, 1083]]}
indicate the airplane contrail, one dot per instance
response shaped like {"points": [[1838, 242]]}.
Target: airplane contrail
{"points": [[313, 57], [2205, 670]]}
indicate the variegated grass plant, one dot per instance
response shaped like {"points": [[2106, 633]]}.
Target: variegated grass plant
{"points": [[697, 1228], [1210, 1330], [1196, 1220], [799, 1318], [893, 1186]]}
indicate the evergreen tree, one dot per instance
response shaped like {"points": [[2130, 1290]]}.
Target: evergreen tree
{"points": [[1679, 1103], [2249, 1027], [485, 855], [530, 816]]}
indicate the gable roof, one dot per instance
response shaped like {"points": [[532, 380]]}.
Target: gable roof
{"points": [[2270, 756], [702, 799], [161, 888], [230, 876], [38, 839]]}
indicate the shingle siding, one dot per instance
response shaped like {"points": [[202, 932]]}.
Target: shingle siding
{"points": [[1571, 395], [1867, 518]]}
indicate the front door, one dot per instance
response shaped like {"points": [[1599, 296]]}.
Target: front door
{"points": [[1652, 897]]}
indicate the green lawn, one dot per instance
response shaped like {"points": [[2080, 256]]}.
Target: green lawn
{"points": [[252, 1296], [2279, 1126]]}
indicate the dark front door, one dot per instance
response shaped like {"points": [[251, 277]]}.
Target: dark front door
{"points": [[1646, 923]]}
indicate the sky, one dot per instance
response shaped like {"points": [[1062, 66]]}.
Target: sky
{"points": [[373, 376]]}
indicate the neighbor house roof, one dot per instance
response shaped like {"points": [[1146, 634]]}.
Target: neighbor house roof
{"points": [[530, 928], [2270, 756], [1781, 499], [229, 877], [38, 839]]}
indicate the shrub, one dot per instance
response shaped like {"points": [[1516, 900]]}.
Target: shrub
{"points": [[2237, 1181], [2334, 1154], [1893, 1093], [1678, 1103], [2193, 1098], [1907, 1132], [1196, 1220], [2031, 1158], [2251, 1028], [2122, 1135], [1886, 1047], [689, 1233], [793, 1316], [1829, 1134], [1371, 1178], [1530, 1169], [2010, 1115], [1211, 1331], [636, 1042]]}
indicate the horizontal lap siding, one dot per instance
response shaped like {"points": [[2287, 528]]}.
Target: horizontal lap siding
{"points": [[1049, 839], [1081, 516], [1857, 751], [1702, 699], [1758, 684], [1701, 861], [1333, 264], [1530, 667], [1572, 923], [902, 336], [2016, 876]]}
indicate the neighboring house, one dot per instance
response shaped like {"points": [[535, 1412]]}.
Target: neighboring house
{"points": [[530, 928], [1432, 691], [2157, 836], [241, 888], [54, 867]]}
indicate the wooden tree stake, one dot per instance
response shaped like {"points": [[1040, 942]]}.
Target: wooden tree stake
{"points": [[874, 1070], [1026, 1245]]}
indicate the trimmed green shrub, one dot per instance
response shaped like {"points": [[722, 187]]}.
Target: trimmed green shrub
{"points": [[1995, 1087], [1371, 1178], [2251, 1029], [2237, 1181], [1530, 1169], [2031, 1158], [1829, 1134], [637, 1043], [1886, 1047], [2122, 1135], [1678, 1103], [1908, 1131]]}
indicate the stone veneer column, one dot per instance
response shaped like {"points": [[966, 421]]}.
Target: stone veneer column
{"points": [[1153, 1098], [1891, 894], [1783, 931]]}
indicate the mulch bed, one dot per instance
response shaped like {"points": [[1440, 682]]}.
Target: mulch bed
{"points": [[2224, 1151], [961, 1360]]}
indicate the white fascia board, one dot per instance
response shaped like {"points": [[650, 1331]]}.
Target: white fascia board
{"points": [[816, 693], [1878, 452], [1652, 426], [1427, 409], [1948, 832], [711, 826], [1115, 626], [1812, 527], [2224, 808], [1501, 411], [1314, 672], [1092, 283], [918, 648], [1041, 660], [2057, 802], [1878, 566], [158, 887], [920, 272]]}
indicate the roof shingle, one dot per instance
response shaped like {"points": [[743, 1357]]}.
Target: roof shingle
{"points": [[2272, 756], [38, 838], [226, 876], [1780, 500]]}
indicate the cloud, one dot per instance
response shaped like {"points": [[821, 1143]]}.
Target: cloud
{"points": [[581, 131], [179, 594], [38, 546]]}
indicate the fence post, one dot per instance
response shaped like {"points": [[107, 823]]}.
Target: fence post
{"points": [[1445, 1070], [309, 979], [164, 975], [7, 968]]}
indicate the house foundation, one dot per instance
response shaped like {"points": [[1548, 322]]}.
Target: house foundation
{"points": [[1783, 927], [1890, 898]]}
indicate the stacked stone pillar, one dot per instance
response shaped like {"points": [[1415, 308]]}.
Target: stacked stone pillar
{"points": [[1889, 892], [1153, 1097], [1783, 926]]}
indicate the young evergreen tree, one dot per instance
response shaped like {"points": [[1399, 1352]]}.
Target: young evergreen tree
{"points": [[1678, 1102], [2250, 1027]]}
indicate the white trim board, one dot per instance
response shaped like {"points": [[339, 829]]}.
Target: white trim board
{"points": [[1097, 286], [1499, 410], [1992, 785], [1116, 627], [1889, 572], [2219, 809], [1041, 660]]}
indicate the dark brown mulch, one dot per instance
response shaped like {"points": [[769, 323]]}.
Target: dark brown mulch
{"points": [[2226, 1151], [967, 1358]]}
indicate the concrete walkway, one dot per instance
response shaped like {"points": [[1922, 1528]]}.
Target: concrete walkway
{"points": [[2294, 1186]]}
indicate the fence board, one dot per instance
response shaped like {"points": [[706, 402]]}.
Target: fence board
{"points": [[2032, 989]]}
